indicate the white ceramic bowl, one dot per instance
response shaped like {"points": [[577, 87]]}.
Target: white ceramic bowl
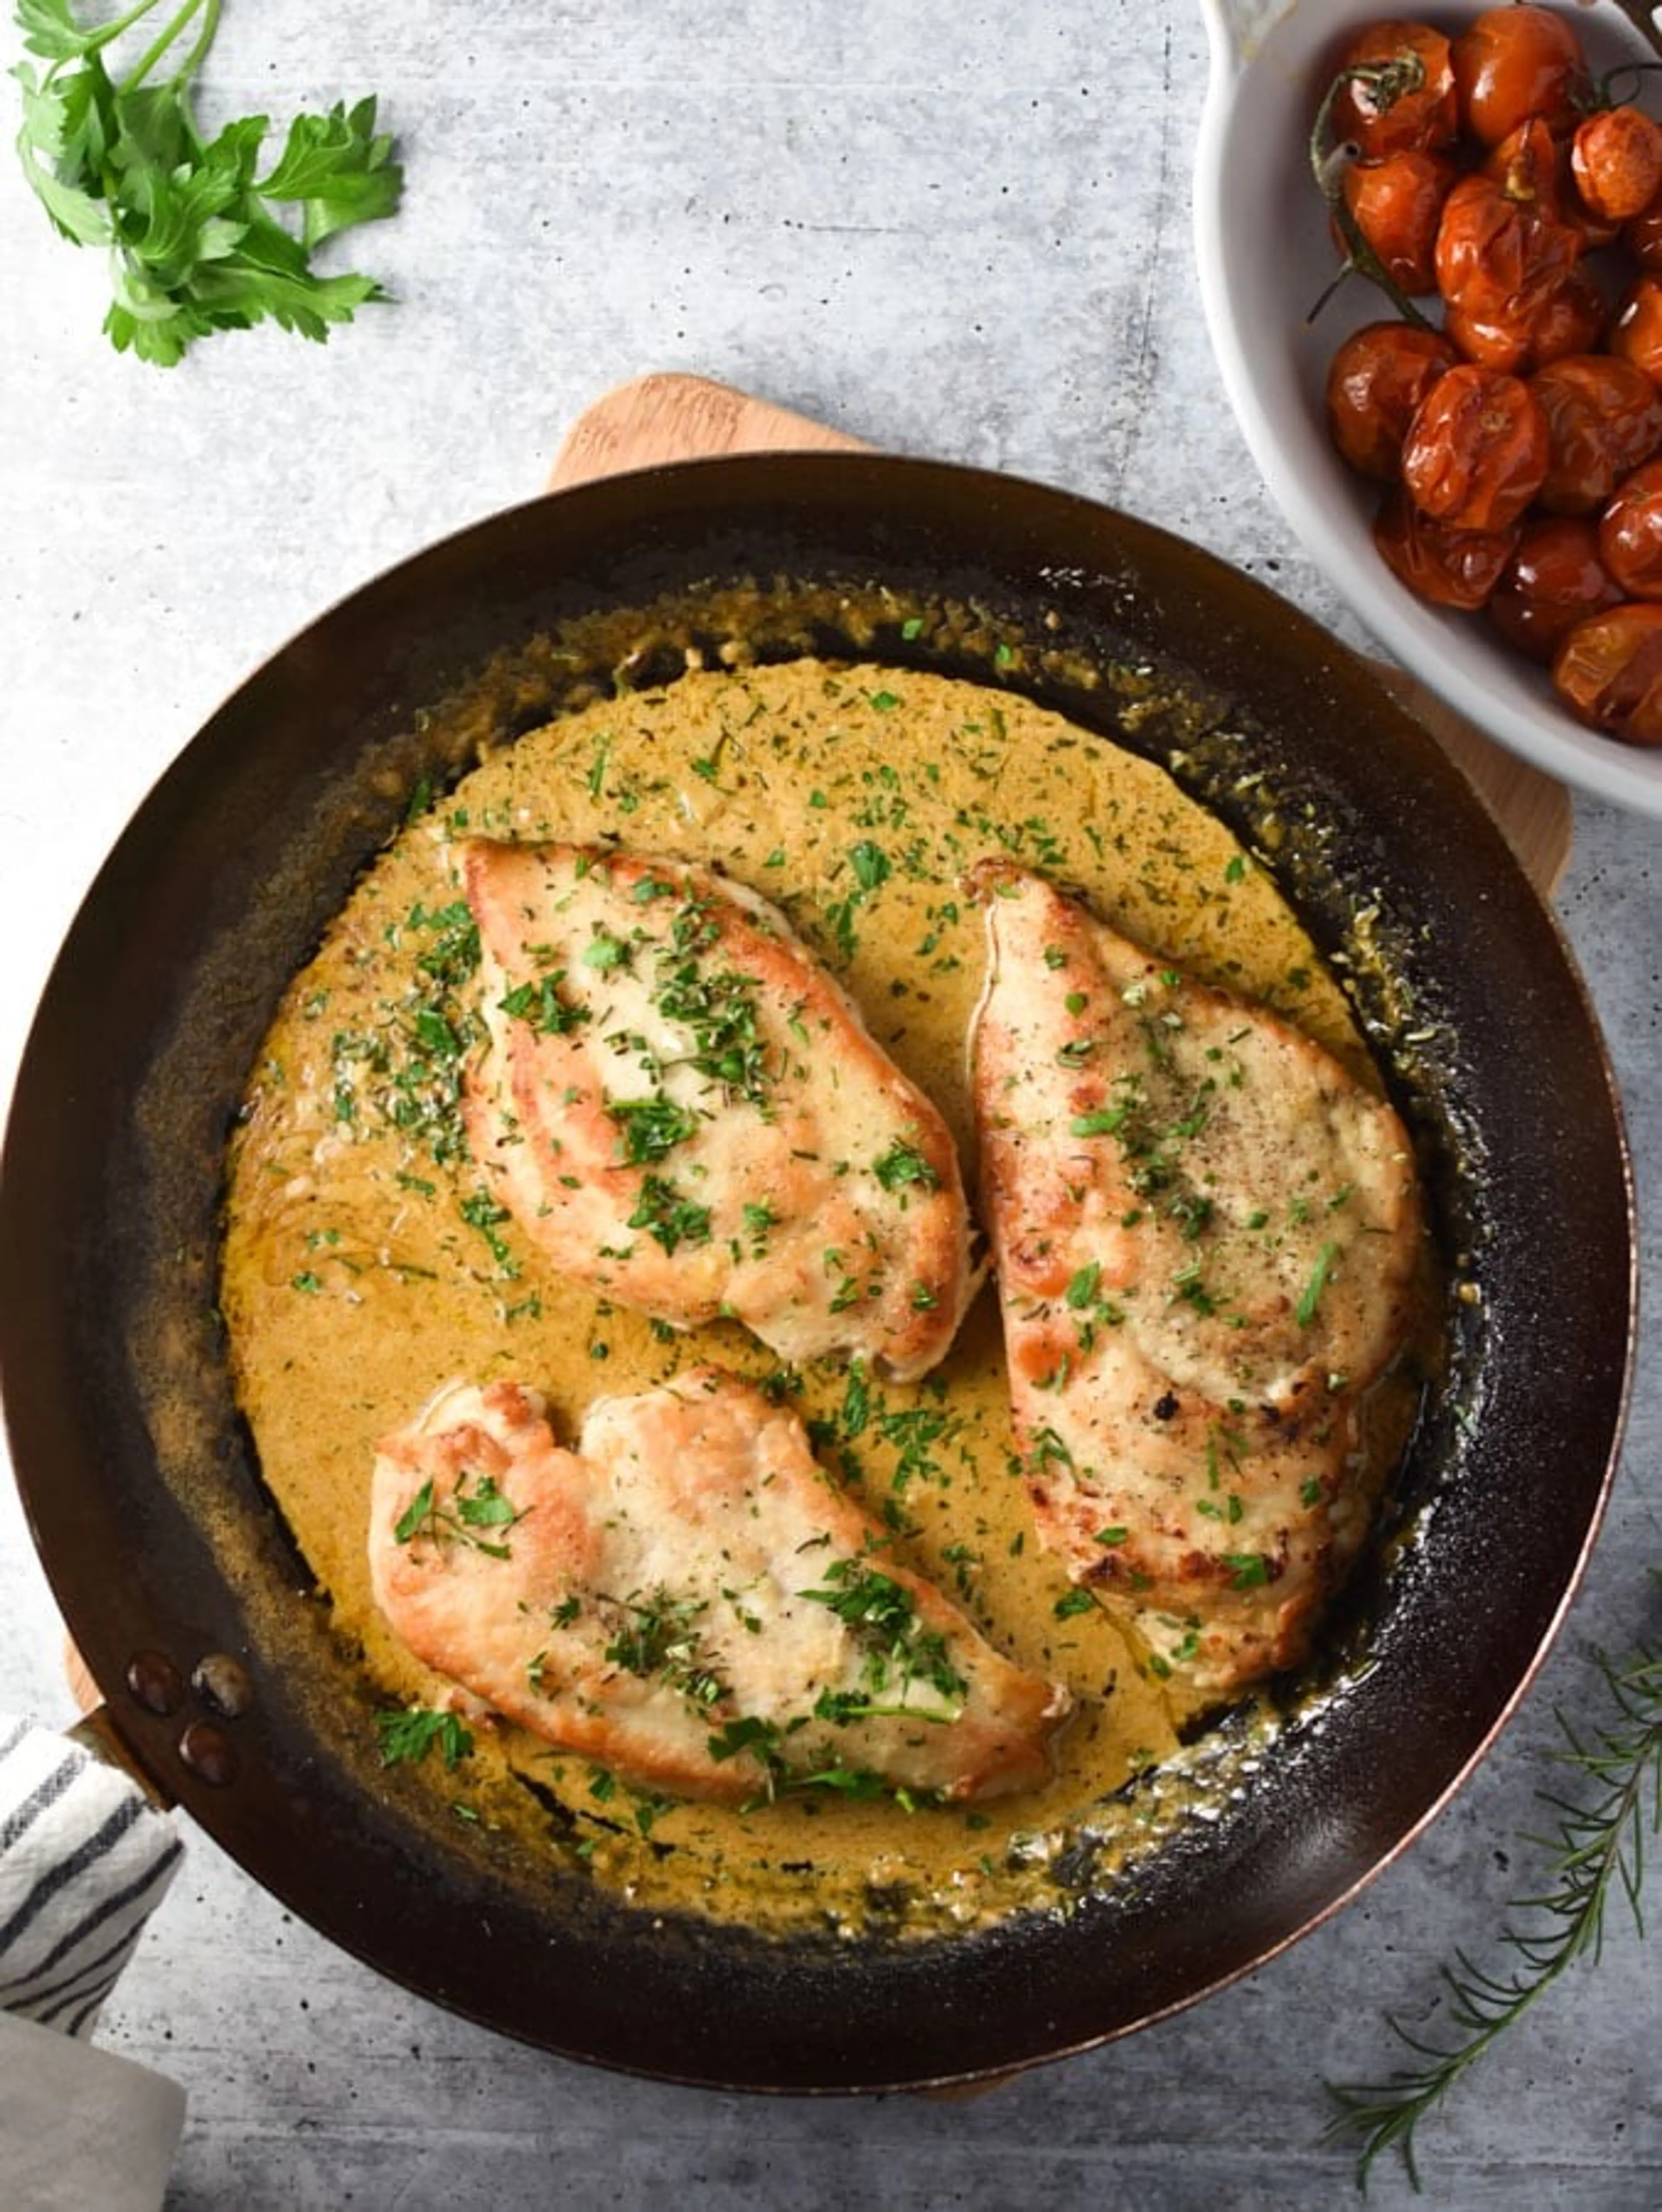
{"points": [[1265, 254]]}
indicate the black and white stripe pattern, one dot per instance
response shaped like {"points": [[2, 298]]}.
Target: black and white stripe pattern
{"points": [[84, 1860]]}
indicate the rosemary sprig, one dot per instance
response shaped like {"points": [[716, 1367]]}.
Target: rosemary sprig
{"points": [[1597, 1847]]}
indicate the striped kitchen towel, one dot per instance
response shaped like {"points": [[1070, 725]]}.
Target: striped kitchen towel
{"points": [[84, 1860]]}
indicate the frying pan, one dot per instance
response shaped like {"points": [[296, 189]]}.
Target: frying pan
{"points": [[191, 1604]]}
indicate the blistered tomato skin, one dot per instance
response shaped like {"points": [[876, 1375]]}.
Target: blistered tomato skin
{"points": [[1630, 533], [1501, 264], [1476, 452], [1554, 580], [1402, 96], [1514, 63], [1514, 417], [1397, 204], [1449, 568], [1642, 237], [1637, 333], [1571, 318], [1377, 380], [1616, 158], [1607, 671], [1603, 419]]}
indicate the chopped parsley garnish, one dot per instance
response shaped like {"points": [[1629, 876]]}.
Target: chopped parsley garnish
{"points": [[871, 868], [1312, 1295], [486, 1214], [870, 864], [453, 956], [759, 1218], [660, 1635], [903, 1164], [604, 951], [410, 1068], [717, 1007], [459, 1518], [540, 1003], [668, 1216], [407, 1737], [883, 1618], [1247, 1569], [650, 1127]]}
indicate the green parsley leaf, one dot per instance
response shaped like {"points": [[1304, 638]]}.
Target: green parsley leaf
{"points": [[196, 237], [1311, 1299], [407, 1737], [870, 864], [651, 1126], [337, 166], [667, 1216], [903, 1164], [1248, 1570]]}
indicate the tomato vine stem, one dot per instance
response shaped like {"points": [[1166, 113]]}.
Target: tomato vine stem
{"points": [[1329, 163]]}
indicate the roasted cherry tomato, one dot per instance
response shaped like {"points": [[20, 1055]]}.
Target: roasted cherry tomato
{"points": [[1397, 203], [1500, 262], [1630, 533], [1616, 159], [1377, 380], [1476, 451], [1535, 167], [1398, 91], [1511, 64], [1529, 165], [1608, 671], [1637, 333], [1604, 418], [1450, 567], [1642, 237], [1554, 580], [1571, 318]]}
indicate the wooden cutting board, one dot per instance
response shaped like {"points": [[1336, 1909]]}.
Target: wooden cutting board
{"points": [[668, 416]]}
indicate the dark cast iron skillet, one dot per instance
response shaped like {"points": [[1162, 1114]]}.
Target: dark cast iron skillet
{"points": [[184, 1592]]}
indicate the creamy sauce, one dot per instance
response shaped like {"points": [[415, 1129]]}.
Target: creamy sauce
{"points": [[363, 1267]]}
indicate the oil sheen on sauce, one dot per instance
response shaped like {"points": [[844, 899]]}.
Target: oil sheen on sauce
{"points": [[365, 1266]]}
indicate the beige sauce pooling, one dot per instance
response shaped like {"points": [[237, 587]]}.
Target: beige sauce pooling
{"points": [[361, 1272]]}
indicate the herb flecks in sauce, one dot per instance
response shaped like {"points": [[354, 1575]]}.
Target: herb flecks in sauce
{"points": [[860, 821]]}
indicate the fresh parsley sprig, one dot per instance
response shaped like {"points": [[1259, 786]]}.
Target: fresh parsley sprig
{"points": [[195, 234], [1597, 1848]]}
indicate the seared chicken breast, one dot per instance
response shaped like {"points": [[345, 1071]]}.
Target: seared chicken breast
{"points": [[681, 1107], [1206, 1236], [687, 1598]]}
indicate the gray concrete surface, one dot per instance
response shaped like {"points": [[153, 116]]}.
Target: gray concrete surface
{"points": [[961, 230]]}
